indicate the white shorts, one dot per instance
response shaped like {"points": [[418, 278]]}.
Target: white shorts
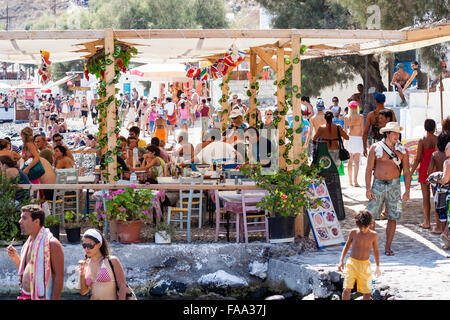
{"points": [[354, 144]]}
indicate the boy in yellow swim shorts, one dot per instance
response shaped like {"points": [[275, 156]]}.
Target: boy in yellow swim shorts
{"points": [[357, 268]]}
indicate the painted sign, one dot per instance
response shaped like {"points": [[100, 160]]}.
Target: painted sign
{"points": [[411, 146], [323, 219]]}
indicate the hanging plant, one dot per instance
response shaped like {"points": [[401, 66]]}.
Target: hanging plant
{"points": [[96, 65]]}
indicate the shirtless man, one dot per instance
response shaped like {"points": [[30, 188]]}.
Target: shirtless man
{"points": [[32, 225], [399, 80], [358, 97], [375, 121], [357, 268], [386, 169]]}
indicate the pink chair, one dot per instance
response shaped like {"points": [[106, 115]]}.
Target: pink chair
{"points": [[221, 221], [250, 211]]}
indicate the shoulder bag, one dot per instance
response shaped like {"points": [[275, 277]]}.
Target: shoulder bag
{"points": [[130, 295], [343, 153]]}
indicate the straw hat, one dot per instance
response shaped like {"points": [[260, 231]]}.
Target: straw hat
{"points": [[392, 127], [235, 113]]}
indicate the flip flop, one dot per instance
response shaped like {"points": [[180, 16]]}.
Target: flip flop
{"points": [[445, 240], [434, 231], [357, 185], [389, 253], [421, 225]]}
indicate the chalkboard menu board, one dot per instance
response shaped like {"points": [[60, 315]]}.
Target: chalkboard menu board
{"points": [[334, 188], [323, 219]]}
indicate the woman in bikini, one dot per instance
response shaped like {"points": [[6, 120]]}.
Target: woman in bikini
{"points": [[99, 272], [425, 149], [329, 133], [153, 164], [84, 111], [30, 153], [60, 158], [160, 127], [354, 127]]}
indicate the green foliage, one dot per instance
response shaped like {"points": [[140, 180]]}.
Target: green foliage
{"points": [[129, 204], [164, 226], [72, 220], [52, 220], [9, 209], [139, 14], [288, 190]]}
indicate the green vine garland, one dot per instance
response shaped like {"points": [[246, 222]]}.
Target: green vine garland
{"points": [[287, 105], [96, 65]]}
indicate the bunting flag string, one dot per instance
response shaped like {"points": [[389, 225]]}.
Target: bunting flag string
{"points": [[218, 69]]}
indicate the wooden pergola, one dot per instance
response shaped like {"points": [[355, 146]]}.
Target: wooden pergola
{"points": [[262, 48]]}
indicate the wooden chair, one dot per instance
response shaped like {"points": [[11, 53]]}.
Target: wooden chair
{"points": [[250, 211], [65, 199], [188, 199]]}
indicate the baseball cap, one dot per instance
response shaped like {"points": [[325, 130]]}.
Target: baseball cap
{"points": [[235, 113], [379, 97], [353, 104], [320, 104]]}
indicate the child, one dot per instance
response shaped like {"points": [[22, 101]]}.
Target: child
{"points": [[357, 267]]}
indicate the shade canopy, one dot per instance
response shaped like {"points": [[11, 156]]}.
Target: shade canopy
{"points": [[191, 45], [28, 85], [4, 86], [161, 72]]}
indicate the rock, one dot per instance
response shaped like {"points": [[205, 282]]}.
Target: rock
{"points": [[258, 269], [222, 278], [335, 277], [355, 295], [213, 296], [309, 297], [335, 297], [376, 294], [166, 287], [169, 262], [275, 297]]}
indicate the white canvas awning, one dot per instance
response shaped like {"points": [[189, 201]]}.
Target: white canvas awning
{"points": [[192, 45], [161, 72]]}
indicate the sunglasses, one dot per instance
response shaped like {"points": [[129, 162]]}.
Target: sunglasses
{"points": [[88, 245], [269, 114], [59, 140]]}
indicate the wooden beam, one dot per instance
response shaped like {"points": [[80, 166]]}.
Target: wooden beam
{"points": [[281, 92], [86, 186], [266, 57], [252, 80], [143, 34]]}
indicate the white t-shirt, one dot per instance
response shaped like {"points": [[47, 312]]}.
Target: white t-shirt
{"points": [[170, 108], [216, 150]]}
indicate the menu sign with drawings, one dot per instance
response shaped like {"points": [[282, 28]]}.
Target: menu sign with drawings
{"points": [[322, 218]]}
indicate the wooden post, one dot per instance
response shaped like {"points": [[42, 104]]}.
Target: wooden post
{"points": [[252, 80], [441, 88], [225, 108], [281, 92], [111, 115], [110, 126], [297, 119]]}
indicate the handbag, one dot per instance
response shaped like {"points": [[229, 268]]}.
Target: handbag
{"points": [[36, 172], [343, 153], [130, 295]]}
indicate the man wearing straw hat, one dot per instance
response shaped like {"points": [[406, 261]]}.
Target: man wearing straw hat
{"points": [[387, 158]]}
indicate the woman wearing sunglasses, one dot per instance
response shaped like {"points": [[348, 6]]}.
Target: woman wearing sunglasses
{"points": [[96, 271]]}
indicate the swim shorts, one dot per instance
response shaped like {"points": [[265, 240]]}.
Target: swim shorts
{"points": [[359, 271], [386, 192]]}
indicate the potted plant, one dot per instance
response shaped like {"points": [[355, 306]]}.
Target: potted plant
{"points": [[52, 223], [72, 226], [129, 207], [164, 232], [288, 196]]}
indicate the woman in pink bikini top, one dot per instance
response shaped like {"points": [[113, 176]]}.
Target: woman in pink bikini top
{"points": [[96, 273]]}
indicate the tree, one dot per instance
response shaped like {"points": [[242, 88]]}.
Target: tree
{"points": [[306, 14]]}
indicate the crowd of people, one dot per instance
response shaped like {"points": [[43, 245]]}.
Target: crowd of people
{"points": [[334, 127]]}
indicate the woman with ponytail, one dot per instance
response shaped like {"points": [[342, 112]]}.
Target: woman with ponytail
{"points": [[329, 133]]}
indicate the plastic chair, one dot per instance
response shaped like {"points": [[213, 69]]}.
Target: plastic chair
{"points": [[194, 198], [250, 211]]}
